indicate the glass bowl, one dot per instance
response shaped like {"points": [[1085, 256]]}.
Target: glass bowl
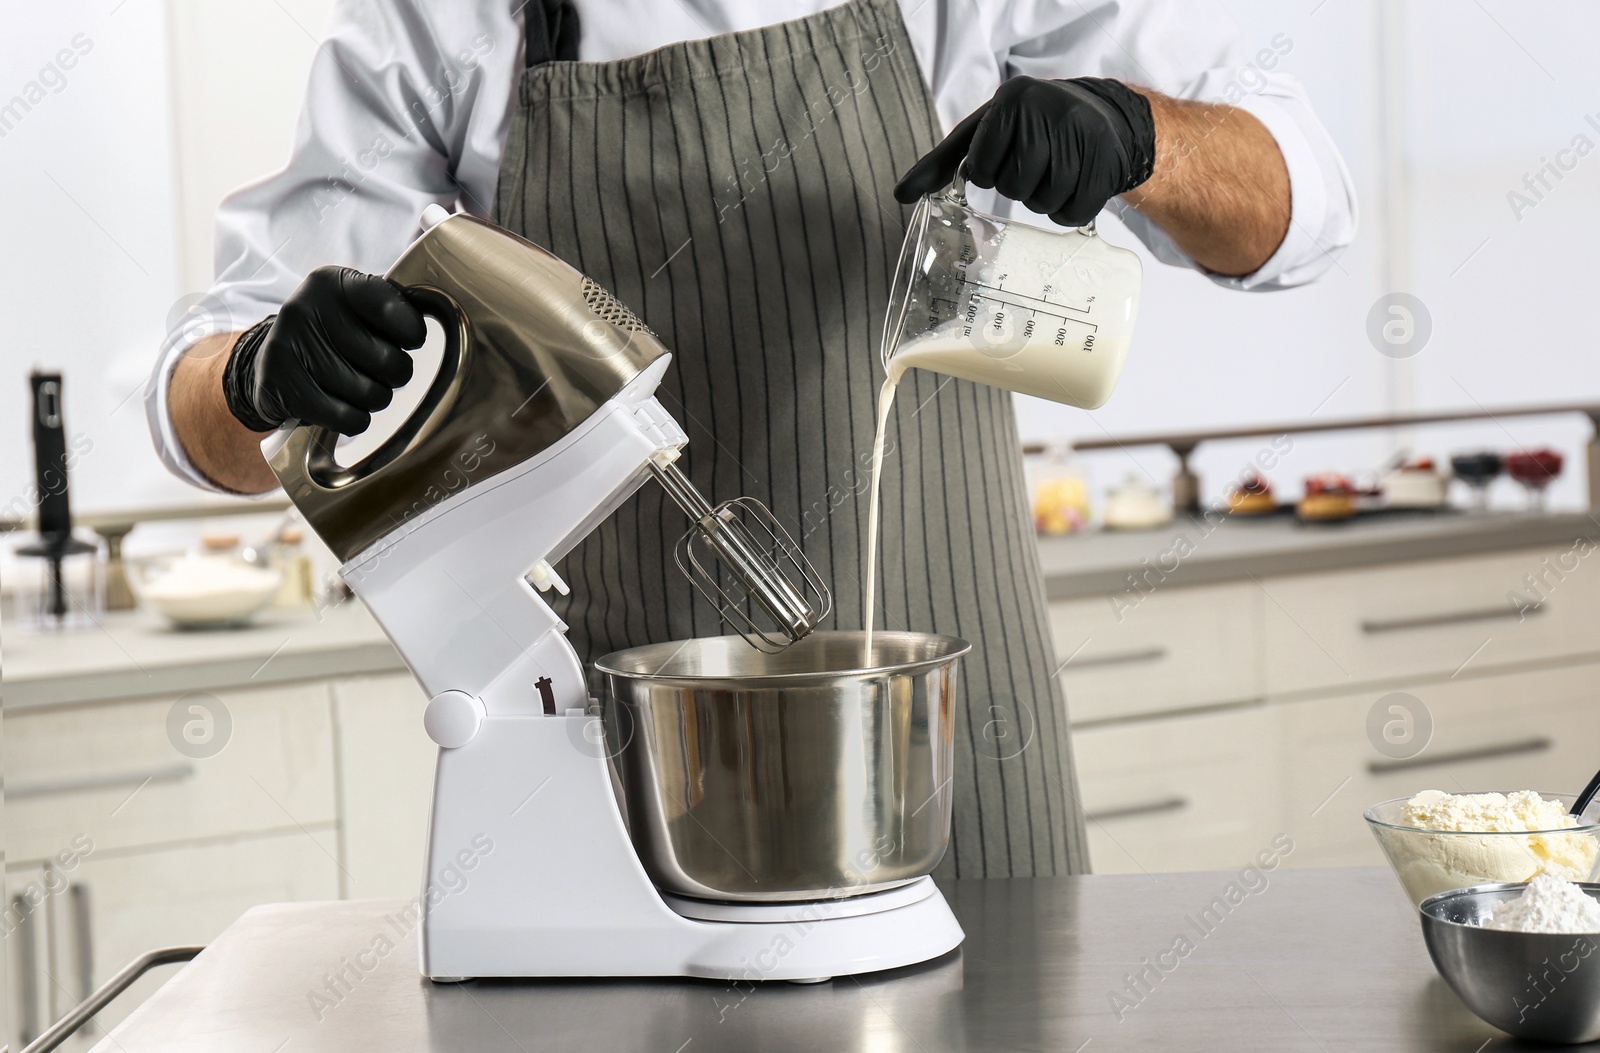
{"points": [[205, 590], [1428, 862]]}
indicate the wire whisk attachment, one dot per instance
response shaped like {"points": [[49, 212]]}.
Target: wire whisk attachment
{"points": [[746, 565]]}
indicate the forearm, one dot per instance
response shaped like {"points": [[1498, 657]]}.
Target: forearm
{"points": [[221, 448], [1220, 188]]}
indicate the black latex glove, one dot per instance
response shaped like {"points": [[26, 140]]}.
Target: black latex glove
{"points": [[1061, 147], [332, 355]]}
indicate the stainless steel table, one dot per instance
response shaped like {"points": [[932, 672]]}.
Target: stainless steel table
{"points": [[1322, 961]]}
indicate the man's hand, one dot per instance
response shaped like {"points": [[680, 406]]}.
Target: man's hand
{"points": [[332, 355], [1061, 147], [1210, 175]]}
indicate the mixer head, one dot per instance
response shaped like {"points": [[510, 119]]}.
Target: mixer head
{"points": [[747, 566], [533, 349]]}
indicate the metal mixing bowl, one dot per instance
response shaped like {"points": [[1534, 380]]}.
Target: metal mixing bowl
{"points": [[1535, 985], [811, 773]]}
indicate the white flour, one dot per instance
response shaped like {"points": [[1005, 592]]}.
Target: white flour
{"points": [[1548, 904]]}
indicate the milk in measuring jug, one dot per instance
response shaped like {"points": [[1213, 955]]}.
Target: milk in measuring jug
{"points": [[1046, 313]]}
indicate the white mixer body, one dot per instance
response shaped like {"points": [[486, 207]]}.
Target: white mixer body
{"points": [[541, 421], [555, 888], [530, 871], [450, 586]]}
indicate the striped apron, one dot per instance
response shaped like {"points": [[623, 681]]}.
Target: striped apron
{"points": [[735, 192]]}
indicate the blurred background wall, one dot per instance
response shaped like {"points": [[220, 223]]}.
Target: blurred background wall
{"points": [[1441, 107]]}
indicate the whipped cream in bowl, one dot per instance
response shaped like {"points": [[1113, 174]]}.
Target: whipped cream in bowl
{"points": [[1438, 841], [198, 591]]}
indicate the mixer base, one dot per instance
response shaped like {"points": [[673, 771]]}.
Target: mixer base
{"points": [[557, 890], [914, 891]]}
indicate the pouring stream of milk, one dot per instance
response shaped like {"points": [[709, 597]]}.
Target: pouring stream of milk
{"points": [[885, 403], [1035, 368], [1044, 313]]}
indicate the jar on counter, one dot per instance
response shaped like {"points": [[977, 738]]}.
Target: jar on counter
{"points": [[1059, 492], [298, 589]]}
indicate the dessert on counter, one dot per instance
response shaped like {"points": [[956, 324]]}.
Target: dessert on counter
{"points": [[1252, 496], [1535, 470], [1477, 471], [1136, 505], [1328, 497], [1415, 484]]}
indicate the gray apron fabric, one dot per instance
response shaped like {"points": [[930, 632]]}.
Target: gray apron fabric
{"points": [[735, 192]]}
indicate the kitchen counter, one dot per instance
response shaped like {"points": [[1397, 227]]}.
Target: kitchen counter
{"points": [[137, 654], [1193, 551], [1314, 961]]}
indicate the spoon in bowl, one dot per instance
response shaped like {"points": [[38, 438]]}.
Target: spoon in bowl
{"points": [[1586, 796]]}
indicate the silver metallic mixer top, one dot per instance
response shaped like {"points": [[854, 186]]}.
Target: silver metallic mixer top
{"points": [[533, 348]]}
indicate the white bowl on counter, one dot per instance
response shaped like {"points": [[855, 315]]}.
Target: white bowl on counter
{"points": [[208, 592], [1136, 505]]}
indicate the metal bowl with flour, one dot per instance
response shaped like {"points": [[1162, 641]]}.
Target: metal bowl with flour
{"points": [[1536, 985], [816, 772]]}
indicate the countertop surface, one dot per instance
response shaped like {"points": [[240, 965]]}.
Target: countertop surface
{"points": [[136, 653], [1311, 961], [1193, 550]]}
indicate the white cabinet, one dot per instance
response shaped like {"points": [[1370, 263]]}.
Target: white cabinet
{"points": [[1169, 650], [1432, 619], [117, 907], [126, 776], [1196, 792], [1225, 715], [26, 930], [1535, 730], [151, 822], [386, 763]]}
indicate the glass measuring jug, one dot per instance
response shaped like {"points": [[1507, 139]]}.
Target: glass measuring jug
{"points": [[1048, 313]]}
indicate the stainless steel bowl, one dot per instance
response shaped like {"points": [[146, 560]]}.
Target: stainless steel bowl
{"points": [[815, 772], [1535, 985]]}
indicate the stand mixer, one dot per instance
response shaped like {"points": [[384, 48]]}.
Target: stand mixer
{"points": [[541, 422]]}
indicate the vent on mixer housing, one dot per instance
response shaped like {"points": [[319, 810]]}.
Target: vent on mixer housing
{"points": [[611, 309]]}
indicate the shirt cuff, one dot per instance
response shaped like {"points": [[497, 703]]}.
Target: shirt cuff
{"points": [[1302, 256], [158, 413], [1299, 258]]}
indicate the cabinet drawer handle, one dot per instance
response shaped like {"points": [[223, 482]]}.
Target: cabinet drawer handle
{"points": [[110, 781], [1129, 811], [1428, 760], [83, 944], [29, 965], [1149, 654], [1429, 621]]}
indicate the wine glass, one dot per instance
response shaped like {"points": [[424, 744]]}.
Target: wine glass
{"points": [[1477, 470], [1535, 470]]}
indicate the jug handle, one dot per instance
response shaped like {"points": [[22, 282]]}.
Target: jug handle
{"points": [[956, 194], [311, 448]]}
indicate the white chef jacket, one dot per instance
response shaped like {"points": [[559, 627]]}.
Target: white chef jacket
{"points": [[409, 103]]}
